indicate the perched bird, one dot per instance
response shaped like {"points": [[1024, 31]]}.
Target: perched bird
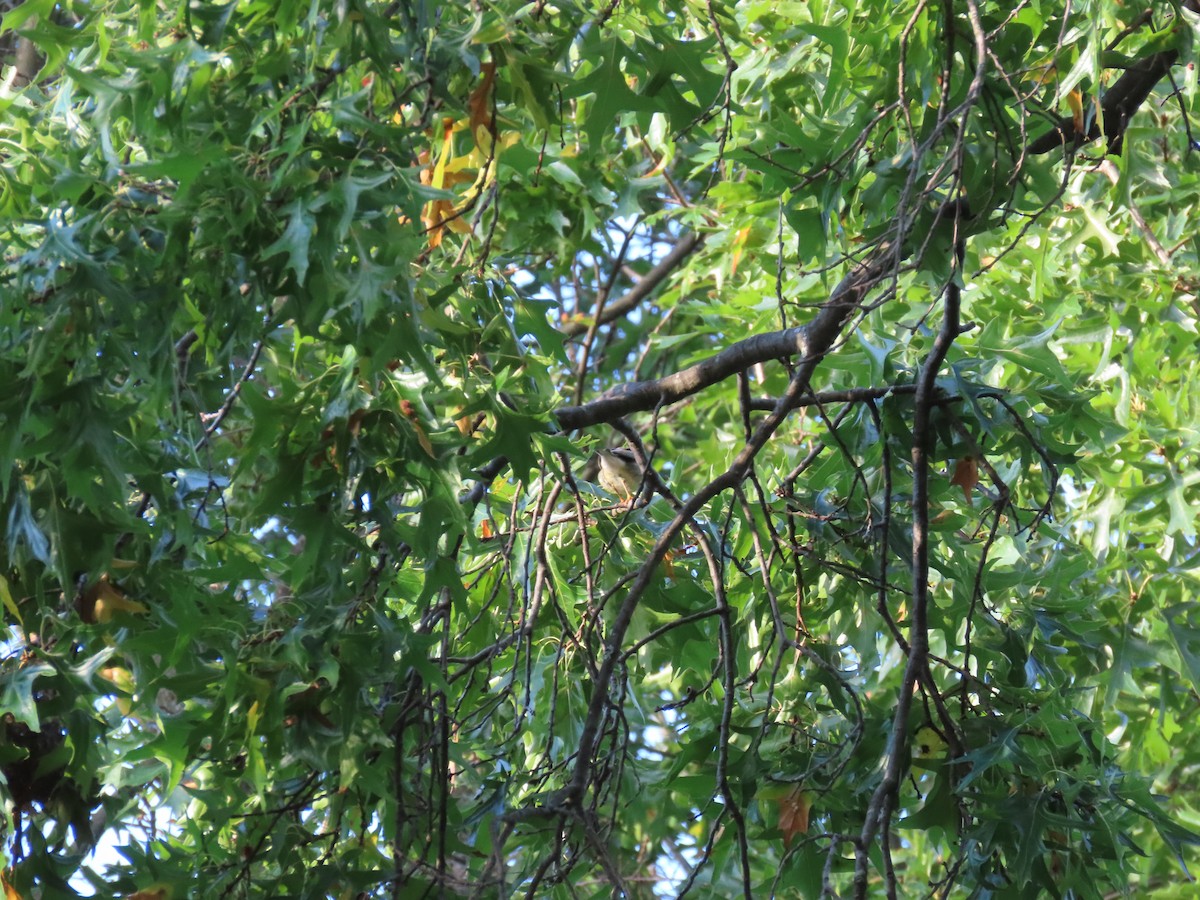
{"points": [[620, 473]]}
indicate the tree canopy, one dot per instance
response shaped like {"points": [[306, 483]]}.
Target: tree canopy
{"points": [[314, 317]]}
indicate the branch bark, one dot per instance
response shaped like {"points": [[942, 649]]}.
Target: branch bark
{"points": [[1120, 102], [640, 291], [812, 341]]}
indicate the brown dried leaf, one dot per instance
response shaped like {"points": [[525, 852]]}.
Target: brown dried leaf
{"points": [[480, 107], [423, 440], [793, 814], [966, 476]]}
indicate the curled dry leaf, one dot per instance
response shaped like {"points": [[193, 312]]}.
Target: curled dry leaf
{"points": [[966, 476], [793, 814]]}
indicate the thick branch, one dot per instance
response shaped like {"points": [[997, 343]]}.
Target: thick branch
{"points": [[883, 799], [1120, 102], [636, 396], [812, 341], [643, 288]]}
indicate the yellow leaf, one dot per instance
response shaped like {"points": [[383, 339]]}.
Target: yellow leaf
{"points": [[9, 603], [1044, 73], [440, 212], [119, 676], [110, 600], [739, 245], [10, 892], [659, 167], [439, 170], [928, 749]]}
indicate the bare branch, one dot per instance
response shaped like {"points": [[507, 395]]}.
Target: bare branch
{"points": [[643, 288]]}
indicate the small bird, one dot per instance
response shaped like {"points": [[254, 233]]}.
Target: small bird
{"points": [[620, 473]]}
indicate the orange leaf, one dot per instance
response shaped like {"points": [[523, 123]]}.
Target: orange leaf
{"points": [[480, 107], [1075, 101], [966, 476], [119, 676], [157, 892], [10, 892], [434, 217], [793, 814]]}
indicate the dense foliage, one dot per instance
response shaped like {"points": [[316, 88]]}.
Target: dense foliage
{"points": [[314, 315]]}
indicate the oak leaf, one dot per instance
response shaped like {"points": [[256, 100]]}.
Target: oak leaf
{"points": [[966, 476], [794, 808]]}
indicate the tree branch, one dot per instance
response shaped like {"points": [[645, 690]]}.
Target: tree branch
{"points": [[812, 340], [643, 288], [883, 799], [1120, 102]]}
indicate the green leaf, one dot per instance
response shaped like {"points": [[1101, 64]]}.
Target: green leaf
{"points": [[1186, 639], [297, 235], [18, 699]]}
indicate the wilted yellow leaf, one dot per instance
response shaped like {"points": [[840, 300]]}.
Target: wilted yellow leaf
{"points": [[110, 600], [101, 600], [9, 603], [423, 440], [119, 676]]}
